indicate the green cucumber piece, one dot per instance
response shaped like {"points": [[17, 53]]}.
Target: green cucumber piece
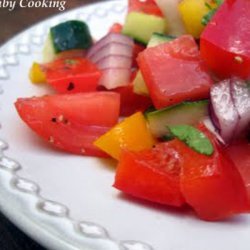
{"points": [[194, 138], [66, 36], [141, 26], [49, 53], [189, 113], [70, 35], [140, 87], [157, 39]]}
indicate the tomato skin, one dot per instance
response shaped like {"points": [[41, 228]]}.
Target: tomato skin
{"points": [[131, 102], [149, 175], [239, 153], [72, 75], [211, 184], [71, 54], [174, 72], [225, 42], [147, 7], [138, 48], [116, 28], [69, 122]]}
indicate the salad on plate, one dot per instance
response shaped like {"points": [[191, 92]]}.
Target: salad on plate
{"points": [[166, 94]]}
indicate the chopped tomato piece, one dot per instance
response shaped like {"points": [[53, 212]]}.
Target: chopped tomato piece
{"points": [[71, 54], [138, 48], [69, 122], [153, 174], [239, 152], [211, 184], [145, 6], [131, 102], [72, 75], [225, 42], [116, 28], [174, 72]]}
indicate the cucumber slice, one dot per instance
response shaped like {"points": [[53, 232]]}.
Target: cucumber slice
{"points": [[157, 39], [71, 35], [141, 26], [66, 36], [49, 53], [189, 113], [140, 87]]}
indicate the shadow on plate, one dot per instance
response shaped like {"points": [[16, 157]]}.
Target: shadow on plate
{"points": [[185, 212]]}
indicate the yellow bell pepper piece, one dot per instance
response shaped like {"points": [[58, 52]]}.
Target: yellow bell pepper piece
{"points": [[36, 74], [192, 12], [131, 134]]}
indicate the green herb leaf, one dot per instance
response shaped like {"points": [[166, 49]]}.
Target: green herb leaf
{"points": [[219, 2], [167, 137], [193, 137], [206, 19]]}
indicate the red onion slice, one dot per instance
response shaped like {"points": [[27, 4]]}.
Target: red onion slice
{"points": [[241, 98], [115, 77], [115, 62], [113, 55], [112, 49], [224, 110], [108, 39]]}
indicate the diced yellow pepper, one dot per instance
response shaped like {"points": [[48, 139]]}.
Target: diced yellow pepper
{"points": [[131, 134], [192, 12], [36, 74]]}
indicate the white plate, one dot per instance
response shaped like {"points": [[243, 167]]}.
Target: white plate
{"points": [[66, 201]]}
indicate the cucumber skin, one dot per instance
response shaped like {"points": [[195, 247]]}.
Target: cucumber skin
{"points": [[137, 26], [157, 39], [189, 113], [70, 35]]}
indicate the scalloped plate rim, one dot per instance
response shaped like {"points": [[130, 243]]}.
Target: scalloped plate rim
{"points": [[24, 223]]}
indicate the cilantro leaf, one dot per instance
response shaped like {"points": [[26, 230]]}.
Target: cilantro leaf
{"points": [[193, 137], [207, 18]]}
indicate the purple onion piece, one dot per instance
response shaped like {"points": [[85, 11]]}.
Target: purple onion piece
{"points": [[115, 62], [113, 55], [108, 39], [241, 99], [214, 118], [115, 77], [115, 49], [223, 110]]}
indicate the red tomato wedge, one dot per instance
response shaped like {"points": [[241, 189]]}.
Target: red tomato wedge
{"points": [[131, 102], [72, 75], [145, 6], [239, 152], [211, 184], [174, 72], [225, 44], [71, 122], [153, 175]]}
